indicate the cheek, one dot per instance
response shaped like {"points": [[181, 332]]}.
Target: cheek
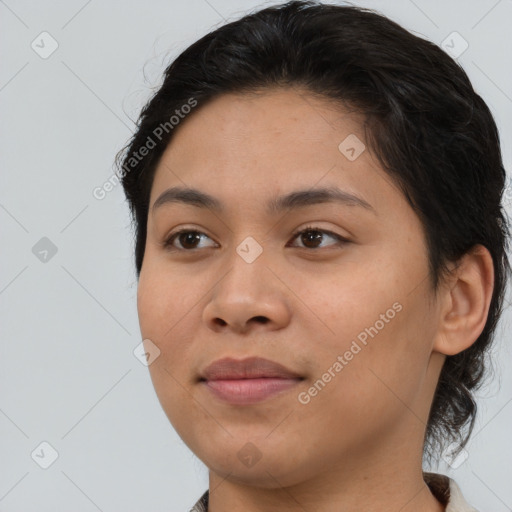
{"points": [[166, 318], [349, 304], [375, 381], [162, 317], [381, 331], [164, 299]]}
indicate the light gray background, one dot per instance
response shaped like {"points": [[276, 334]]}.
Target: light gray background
{"points": [[69, 325]]}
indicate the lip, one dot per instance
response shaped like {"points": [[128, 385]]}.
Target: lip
{"points": [[247, 381], [229, 368]]}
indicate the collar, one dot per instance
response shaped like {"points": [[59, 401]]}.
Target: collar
{"points": [[447, 492], [444, 488]]}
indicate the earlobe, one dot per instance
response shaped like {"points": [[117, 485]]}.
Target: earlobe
{"points": [[465, 302]]}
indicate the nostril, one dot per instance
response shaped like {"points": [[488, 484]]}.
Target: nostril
{"points": [[261, 319]]}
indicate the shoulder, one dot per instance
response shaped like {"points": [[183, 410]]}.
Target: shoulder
{"points": [[446, 490], [202, 504]]}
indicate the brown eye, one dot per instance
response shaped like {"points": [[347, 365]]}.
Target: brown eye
{"points": [[187, 239], [312, 238]]}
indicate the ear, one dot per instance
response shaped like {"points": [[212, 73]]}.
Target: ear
{"points": [[464, 302]]}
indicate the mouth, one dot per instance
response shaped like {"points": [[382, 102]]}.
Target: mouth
{"points": [[249, 391], [247, 381]]}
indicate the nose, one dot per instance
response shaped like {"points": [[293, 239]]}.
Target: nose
{"points": [[248, 297]]}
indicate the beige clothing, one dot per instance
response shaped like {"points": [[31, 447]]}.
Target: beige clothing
{"points": [[443, 488]]}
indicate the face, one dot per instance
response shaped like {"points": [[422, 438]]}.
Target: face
{"points": [[332, 287]]}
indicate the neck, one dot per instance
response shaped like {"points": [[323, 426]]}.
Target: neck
{"points": [[364, 480]]}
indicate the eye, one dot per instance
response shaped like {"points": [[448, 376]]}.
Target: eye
{"points": [[187, 239], [312, 237]]}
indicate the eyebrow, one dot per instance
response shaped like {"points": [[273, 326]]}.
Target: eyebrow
{"points": [[290, 201]]}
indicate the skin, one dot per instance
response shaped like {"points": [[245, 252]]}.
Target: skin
{"points": [[357, 444]]}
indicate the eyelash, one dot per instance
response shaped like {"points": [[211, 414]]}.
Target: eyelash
{"points": [[340, 240]]}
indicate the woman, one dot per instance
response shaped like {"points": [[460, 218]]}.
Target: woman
{"points": [[321, 255]]}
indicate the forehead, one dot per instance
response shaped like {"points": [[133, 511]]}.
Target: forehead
{"points": [[246, 147], [288, 122]]}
